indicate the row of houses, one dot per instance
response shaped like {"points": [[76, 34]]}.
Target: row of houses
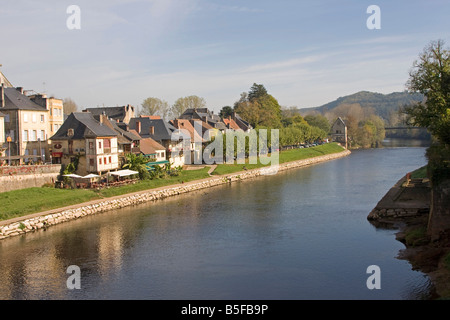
{"points": [[33, 128]]}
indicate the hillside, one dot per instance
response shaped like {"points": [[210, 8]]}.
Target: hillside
{"points": [[383, 104]]}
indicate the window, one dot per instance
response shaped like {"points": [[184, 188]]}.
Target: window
{"points": [[99, 160], [42, 134], [25, 135], [99, 144], [25, 117], [33, 117], [42, 118], [34, 135], [109, 159], [106, 162], [70, 132], [91, 145], [6, 117], [91, 162]]}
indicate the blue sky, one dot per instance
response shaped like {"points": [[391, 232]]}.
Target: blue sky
{"points": [[306, 53]]}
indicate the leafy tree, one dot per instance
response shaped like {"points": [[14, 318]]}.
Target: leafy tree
{"points": [[430, 75], [226, 112], [319, 121], [182, 104], [155, 106], [259, 108]]}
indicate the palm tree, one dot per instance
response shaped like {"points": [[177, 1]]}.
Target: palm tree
{"points": [[137, 163]]}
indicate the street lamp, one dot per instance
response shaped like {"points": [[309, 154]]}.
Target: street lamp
{"points": [[8, 139]]}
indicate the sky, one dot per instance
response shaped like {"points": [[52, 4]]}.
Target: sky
{"points": [[306, 53]]}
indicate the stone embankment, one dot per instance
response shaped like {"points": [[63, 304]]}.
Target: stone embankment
{"points": [[44, 220], [406, 199]]}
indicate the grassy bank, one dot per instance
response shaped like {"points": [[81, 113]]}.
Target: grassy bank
{"points": [[285, 156], [27, 201]]}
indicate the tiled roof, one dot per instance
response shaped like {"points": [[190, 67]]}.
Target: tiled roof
{"points": [[84, 126], [149, 146], [14, 100]]}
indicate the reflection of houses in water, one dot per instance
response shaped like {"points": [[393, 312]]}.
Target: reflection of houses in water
{"points": [[36, 273], [110, 249], [339, 132]]}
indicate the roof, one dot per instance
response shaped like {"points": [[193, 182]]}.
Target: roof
{"points": [[4, 81], [182, 124], [149, 146], [15, 100], [112, 112], [339, 119], [162, 130], [205, 115], [129, 136], [244, 125], [231, 124], [85, 126]]}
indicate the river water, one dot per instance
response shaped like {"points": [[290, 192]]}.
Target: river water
{"points": [[302, 234]]}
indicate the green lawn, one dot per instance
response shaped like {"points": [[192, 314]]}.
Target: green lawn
{"points": [[26, 201], [420, 173], [285, 156]]}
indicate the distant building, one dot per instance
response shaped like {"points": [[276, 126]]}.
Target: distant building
{"points": [[339, 132], [3, 146], [162, 132], [26, 124], [205, 115], [244, 125], [93, 142], [121, 114], [231, 124]]}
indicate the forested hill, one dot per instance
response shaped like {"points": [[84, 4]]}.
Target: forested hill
{"points": [[383, 104]]}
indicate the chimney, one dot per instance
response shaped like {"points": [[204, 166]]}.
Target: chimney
{"points": [[20, 89], [2, 95], [138, 126]]}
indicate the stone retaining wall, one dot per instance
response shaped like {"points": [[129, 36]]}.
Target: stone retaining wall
{"points": [[36, 222], [396, 213], [21, 177]]}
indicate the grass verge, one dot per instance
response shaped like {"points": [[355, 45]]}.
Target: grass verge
{"points": [[285, 156]]}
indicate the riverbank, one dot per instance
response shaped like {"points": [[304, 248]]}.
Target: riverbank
{"points": [[406, 207], [31, 223]]}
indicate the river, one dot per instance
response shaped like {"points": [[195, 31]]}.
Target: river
{"points": [[301, 234]]}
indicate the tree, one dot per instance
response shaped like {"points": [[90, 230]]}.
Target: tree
{"points": [[259, 108], [257, 91], [182, 104], [155, 106], [137, 163], [69, 106], [430, 75], [319, 121], [226, 112]]}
